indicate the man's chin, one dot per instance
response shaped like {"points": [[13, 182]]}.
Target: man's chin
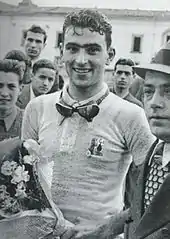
{"points": [[33, 56], [162, 134], [43, 92], [4, 109]]}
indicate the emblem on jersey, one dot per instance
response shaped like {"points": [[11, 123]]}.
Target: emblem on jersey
{"points": [[96, 147]]}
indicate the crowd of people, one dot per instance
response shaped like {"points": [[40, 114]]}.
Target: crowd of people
{"points": [[99, 144]]}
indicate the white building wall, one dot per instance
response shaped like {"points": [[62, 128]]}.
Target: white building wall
{"points": [[11, 29], [11, 33]]}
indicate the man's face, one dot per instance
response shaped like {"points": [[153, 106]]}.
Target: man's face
{"points": [[85, 55], [43, 80], [123, 76], [157, 103], [34, 44], [9, 90]]}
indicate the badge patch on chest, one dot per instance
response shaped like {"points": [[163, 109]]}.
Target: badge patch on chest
{"points": [[96, 147]]}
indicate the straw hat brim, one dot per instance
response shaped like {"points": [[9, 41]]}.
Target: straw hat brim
{"points": [[142, 69]]}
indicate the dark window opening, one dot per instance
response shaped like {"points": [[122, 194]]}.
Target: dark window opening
{"points": [[59, 39], [167, 38], [136, 44]]}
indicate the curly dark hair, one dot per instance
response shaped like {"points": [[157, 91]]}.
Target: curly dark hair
{"points": [[124, 61], [18, 55], [92, 19], [43, 63], [36, 29], [8, 65]]}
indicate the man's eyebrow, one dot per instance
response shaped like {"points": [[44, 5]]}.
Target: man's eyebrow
{"points": [[11, 84], [166, 85], [148, 85], [123, 71], [163, 85], [84, 45]]}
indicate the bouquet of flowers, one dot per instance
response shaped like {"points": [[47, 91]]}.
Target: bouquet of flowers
{"points": [[26, 207]]}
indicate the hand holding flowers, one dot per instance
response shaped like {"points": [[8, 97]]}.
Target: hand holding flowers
{"points": [[26, 206]]}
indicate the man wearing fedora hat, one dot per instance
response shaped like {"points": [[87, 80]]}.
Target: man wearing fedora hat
{"points": [[150, 200]]}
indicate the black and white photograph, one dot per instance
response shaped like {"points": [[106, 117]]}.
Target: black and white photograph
{"points": [[84, 119]]}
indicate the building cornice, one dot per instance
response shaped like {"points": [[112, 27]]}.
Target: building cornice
{"points": [[32, 9]]}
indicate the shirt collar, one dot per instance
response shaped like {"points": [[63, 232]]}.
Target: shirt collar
{"points": [[166, 153], [70, 101], [32, 95], [125, 95], [9, 120]]}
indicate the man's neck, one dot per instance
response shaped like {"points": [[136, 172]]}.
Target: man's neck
{"points": [[121, 92], [5, 113], [33, 60], [36, 93], [81, 93]]}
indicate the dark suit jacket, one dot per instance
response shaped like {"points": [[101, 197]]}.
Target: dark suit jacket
{"points": [[136, 88], [130, 98], [24, 97], [133, 100], [154, 223]]}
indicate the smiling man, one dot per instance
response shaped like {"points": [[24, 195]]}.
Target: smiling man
{"points": [[150, 207], [44, 73], [11, 75], [89, 140]]}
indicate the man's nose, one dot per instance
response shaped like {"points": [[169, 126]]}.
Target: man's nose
{"points": [[33, 44], [123, 75], [157, 100], [5, 92], [81, 57], [45, 82]]}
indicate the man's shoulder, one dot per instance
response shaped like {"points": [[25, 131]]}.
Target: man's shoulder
{"points": [[133, 99], [19, 110], [19, 116], [122, 106], [46, 100], [24, 97], [26, 88]]}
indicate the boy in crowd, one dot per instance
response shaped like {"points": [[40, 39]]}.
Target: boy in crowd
{"points": [[24, 61], [11, 75], [44, 74]]}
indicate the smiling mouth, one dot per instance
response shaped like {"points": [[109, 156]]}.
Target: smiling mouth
{"points": [[32, 51], [4, 100], [82, 70]]}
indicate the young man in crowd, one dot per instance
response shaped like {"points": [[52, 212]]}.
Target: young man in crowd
{"points": [[122, 80], [44, 74], [34, 42], [11, 75], [149, 195], [24, 61], [86, 133]]}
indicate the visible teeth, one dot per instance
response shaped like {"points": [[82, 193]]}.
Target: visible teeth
{"points": [[82, 70]]}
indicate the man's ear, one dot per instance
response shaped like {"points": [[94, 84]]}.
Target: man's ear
{"points": [[44, 45], [107, 61], [111, 54], [21, 86], [61, 46]]}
